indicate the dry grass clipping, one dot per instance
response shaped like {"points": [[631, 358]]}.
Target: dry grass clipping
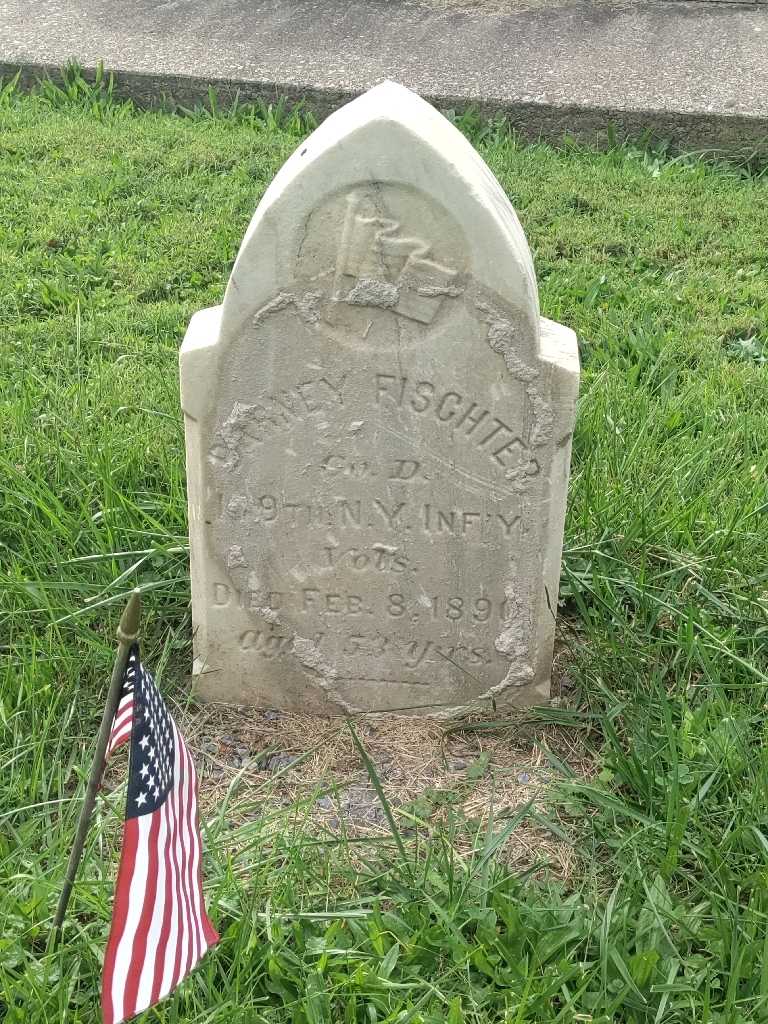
{"points": [[293, 759]]}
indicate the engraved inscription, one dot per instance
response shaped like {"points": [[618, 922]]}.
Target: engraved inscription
{"points": [[337, 465], [447, 608], [275, 412], [357, 514], [379, 557], [485, 430], [412, 652]]}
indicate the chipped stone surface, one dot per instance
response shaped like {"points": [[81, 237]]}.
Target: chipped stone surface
{"points": [[378, 433]]}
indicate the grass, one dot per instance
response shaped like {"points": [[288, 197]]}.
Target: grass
{"points": [[115, 226]]}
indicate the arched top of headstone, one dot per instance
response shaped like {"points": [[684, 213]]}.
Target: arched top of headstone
{"points": [[443, 201]]}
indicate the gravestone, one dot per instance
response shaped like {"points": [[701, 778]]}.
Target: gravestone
{"points": [[378, 429]]}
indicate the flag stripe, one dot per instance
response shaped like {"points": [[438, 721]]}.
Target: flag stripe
{"points": [[173, 965], [145, 910], [178, 858], [194, 945], [119, 917], [136, 890], [184, 851], [166, 931], [195, 859], [122, 725], [155, 923], [123, 717]]}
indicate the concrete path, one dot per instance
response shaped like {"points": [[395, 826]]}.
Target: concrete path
{"points": [[693, 71]]}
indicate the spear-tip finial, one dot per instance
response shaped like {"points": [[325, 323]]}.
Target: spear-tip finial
{"points": [[128, 630]]}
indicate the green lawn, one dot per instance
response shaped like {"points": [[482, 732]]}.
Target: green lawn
{"points": [[115, 226]]}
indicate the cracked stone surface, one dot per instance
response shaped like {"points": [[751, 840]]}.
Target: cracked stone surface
{"points": [[378, 428]]}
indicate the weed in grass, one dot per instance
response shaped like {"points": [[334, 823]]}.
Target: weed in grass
{"points": [[116, 225], [746, 346]]}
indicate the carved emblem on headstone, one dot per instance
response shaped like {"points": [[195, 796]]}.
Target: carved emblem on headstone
{"points": [[380, 265]]}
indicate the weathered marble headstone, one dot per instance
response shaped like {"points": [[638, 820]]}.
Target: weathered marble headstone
{"points": [[378, 434]]}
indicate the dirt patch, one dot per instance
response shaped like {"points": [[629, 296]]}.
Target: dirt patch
{"points": [[254, 762]]}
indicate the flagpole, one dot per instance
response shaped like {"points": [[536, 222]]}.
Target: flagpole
{"points": [[127, 634]]}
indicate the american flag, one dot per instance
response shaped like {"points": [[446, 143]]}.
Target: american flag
{"points": [[160, 929]]}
